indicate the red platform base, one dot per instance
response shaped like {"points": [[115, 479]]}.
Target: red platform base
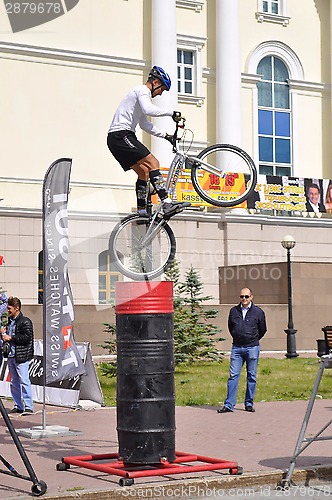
{"points": [[128, 472]]}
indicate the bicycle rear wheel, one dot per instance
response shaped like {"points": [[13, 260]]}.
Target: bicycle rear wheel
{"points": [[228, 176], [135, 259]]}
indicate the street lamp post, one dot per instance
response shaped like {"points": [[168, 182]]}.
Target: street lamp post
{"points": [[288, 243]]}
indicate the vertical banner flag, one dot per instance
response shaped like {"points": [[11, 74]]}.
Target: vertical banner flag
{"points": [[61, 357]]}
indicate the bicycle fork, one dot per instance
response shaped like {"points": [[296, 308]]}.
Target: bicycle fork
{"points": [[152, 230]]}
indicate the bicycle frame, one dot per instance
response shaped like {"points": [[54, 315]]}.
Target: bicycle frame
{"points": [[176, 167]]}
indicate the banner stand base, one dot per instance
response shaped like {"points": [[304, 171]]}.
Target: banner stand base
{"points": [[87, 404], [38, 432]]}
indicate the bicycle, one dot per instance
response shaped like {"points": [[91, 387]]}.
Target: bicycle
{"points": [[143, 248]]}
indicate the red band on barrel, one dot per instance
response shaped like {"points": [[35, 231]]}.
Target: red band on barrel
{"points": [[144, 297]]}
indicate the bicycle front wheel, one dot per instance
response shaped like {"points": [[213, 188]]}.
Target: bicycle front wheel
{"points": [[225, 176], [135, 255]]}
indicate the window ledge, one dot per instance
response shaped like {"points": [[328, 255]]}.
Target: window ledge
{"points": [[191, 99], [272, 18], [308, 86], [195, 5]]}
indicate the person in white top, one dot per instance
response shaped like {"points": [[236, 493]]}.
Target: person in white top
{"points": [[130, 152]]}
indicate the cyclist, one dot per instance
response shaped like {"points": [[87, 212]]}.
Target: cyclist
{"points": [[130, 152]]}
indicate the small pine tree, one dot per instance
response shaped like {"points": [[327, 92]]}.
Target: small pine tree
{"points": [[194, 336], [173, 274], [109, 368]]}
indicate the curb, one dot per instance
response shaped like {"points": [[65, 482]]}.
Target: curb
{"points": [[199, 487]]}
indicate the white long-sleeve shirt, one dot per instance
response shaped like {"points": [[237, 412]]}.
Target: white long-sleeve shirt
{"points": [[134, 109]]}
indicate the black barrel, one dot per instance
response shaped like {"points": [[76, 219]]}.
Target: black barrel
{"points": [[145, 372]]}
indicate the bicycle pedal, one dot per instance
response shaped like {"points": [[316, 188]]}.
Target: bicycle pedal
{"points": [[167, 217], [186, 204], [177, 210]]}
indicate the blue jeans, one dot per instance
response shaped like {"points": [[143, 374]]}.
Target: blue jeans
{"points": [[20, 385], [239, 356]]}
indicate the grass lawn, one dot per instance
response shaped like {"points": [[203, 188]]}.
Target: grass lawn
{"points": [[205, 383]]}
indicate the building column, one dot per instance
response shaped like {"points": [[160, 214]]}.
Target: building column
{"points": [[164, 54], [228, 73]]}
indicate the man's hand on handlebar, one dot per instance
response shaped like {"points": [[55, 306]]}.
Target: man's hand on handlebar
{"points": [[176, 116], [169, 138]]}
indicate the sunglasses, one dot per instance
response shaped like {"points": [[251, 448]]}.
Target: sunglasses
{"points": [[244, 296]]}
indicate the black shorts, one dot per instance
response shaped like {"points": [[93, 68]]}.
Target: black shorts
{"points": [[126, 148]]}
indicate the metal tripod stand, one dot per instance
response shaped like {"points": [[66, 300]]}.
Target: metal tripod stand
{"points": [[325, 362], [39, 487]]}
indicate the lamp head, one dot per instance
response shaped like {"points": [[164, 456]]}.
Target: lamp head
{"points": [[288, 242]]}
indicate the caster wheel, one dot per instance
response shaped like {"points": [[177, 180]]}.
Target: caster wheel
{"points": [[283, 485], [126, 481], [238, 471], [62, 466], [39, 489]]}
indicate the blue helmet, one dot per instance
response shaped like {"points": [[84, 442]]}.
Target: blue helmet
{"points": [[160, 74]]}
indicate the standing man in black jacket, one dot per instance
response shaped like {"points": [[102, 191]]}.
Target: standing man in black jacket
{"points": [[19, 334], [247, 325]]}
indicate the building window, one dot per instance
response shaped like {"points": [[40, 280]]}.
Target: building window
{"points": [[274, 11], [274, 118], [190, 71], [40, 278], [185, 72], [107, 278], [271, 6]]}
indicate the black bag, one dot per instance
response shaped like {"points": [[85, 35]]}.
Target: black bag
{"points": [[6, 348]]}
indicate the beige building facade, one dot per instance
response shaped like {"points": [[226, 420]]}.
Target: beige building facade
{"points": [[60, 85]]}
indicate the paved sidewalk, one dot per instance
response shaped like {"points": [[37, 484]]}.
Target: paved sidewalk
{"points": [[262, 443]]}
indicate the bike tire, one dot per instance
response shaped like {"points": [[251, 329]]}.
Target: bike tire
{"points": [[216, 189], [134, 260]]}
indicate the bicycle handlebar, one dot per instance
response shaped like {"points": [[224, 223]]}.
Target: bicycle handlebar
{"points": [[179, 124]]}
